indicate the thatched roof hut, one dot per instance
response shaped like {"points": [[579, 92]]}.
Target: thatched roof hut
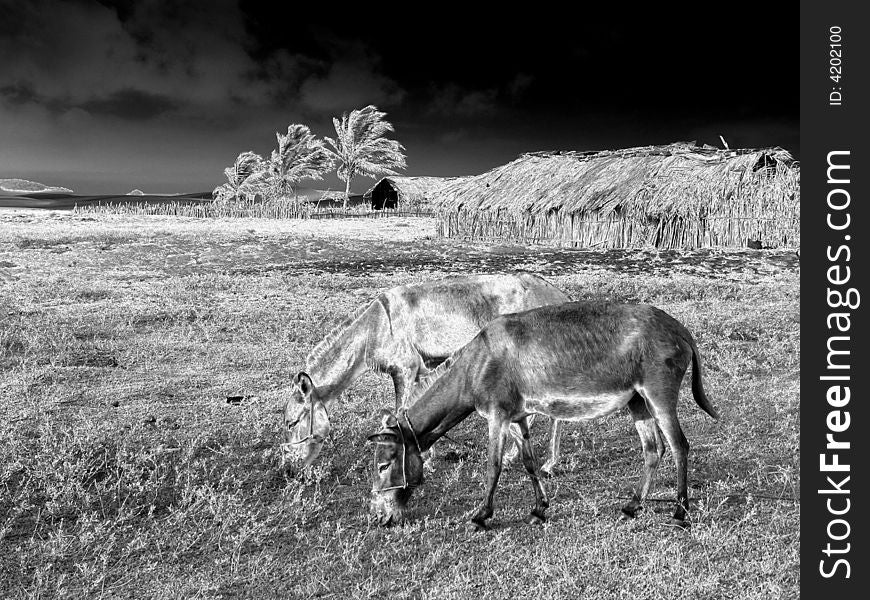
{"points": [[674, 196], [327, 199], [407, 193]]}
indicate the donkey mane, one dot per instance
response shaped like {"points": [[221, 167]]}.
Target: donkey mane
{"points": [[320, 349], [428, 380]]}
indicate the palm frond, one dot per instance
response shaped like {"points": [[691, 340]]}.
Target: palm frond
{"points": [[360, 148], [299, 156], [223, 192], [246, 164]]}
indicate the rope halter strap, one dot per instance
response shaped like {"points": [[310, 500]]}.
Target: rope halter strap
{"points": [[310, 422], [404, 463]]}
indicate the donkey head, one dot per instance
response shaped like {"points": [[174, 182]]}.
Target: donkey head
{"points": [[306, 422], [398, 469]]}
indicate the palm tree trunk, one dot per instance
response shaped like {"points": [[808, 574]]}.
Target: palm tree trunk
{"points": [[346, 194]]}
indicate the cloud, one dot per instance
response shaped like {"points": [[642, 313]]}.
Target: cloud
{"points": [[18, 93], [192, 62], [451, 100], [349, 84], [127, 103], [456, 101], [65, 50], [87, 55], [519, 84], [453, 136], [132, 104]]}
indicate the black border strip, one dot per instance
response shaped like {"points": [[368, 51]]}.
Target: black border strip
{"points": [[828, 126]]}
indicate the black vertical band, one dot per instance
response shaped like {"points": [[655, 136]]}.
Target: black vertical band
{"points": [[835, 227]]}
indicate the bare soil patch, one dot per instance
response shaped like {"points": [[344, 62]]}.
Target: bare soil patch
{"points": [[387, 245]]}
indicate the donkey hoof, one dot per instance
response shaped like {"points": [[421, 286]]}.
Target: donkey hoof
{"points": [[629, 511], [535, 518], [681, 523], [476, 526], [293, 473]]}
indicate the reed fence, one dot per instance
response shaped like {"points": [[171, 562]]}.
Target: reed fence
{"points": [[258, 210], [578, 230]]}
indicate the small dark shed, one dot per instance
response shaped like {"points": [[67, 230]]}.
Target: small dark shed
{"points": [[407, 193]]}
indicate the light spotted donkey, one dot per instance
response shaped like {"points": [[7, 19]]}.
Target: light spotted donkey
{"points": [[404, 332], [574, 361]]}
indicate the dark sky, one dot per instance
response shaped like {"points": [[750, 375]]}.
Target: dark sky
{"points": [[103, 97]]}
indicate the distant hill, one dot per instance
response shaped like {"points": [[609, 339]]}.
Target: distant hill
{"points": [[136, 192], [23, 186]]}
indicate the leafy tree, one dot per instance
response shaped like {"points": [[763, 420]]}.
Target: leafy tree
{"points": [[240, 177], [360, 148], [299, 156]]}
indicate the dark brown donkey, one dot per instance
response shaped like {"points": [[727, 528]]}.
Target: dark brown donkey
{"points": [[404, 332], [579, 360]]}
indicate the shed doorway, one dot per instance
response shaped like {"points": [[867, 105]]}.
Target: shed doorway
{"points": [[384, 196]]}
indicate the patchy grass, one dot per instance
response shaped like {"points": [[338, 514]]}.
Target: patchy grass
{"points": [[125, 473]]}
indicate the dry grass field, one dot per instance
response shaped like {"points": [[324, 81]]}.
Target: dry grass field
{"points": [[124, 472]]}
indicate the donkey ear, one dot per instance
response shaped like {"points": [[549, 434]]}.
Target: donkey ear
{"points": [[384, 438], [388, 419], [304, 382]]}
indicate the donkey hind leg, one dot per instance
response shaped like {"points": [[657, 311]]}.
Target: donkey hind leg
{"points": [[498, 432], [555, 439], [530, 462], [664, 405], [515, 442], [653, 450]]}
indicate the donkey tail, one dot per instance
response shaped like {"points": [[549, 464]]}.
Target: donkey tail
{"points": [[698, 385]]}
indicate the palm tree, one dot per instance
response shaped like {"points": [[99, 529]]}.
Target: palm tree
{"points": [[299, 156], [240, 177], [360, 147]]}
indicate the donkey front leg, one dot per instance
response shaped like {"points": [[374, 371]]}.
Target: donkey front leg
{"points": [[499, 429], [515, 442]]}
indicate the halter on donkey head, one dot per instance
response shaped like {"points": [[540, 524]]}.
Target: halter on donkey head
{"points": [[389, 426], [300, 383]]}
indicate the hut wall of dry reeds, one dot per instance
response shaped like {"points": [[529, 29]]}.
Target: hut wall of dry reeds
{"points": [[418, 194], [674, 196]]}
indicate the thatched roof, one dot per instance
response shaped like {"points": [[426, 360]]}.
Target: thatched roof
{"points": [[679, 179], [314, 196], [415, 190]]}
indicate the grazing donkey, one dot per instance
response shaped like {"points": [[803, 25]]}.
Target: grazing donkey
{"points": [[404, 332], [579, 360]]}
